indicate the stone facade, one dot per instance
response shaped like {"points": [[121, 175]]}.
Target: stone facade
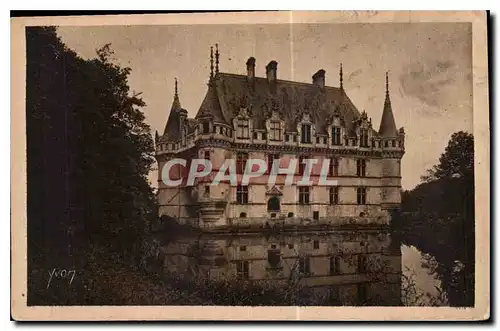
{"points": [[248, 117]]}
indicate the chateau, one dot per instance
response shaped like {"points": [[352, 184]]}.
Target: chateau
{"points": [[246, 117]]}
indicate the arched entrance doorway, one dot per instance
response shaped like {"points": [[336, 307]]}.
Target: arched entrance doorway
{"points": [[273, 204]]}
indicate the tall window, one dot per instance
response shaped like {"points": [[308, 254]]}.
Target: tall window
{"points": [[241, 162], [361, 168], [242, 269], [241, 194], [270, 161], [242, 131], [302, 165], [363, 138], [334, 265], [334, 195], [275, 131], [334, 167], [306, 134], [304, 195], [304, 266], [361, 195], [336, 136]]}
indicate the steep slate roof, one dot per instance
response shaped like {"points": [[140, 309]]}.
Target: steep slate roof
{"points": [[211, 105], [387, 124], [172, 128], [230, 92]]}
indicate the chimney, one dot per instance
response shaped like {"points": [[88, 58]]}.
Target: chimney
{"points": [[272, 71], [319, 78], [250, 68]]}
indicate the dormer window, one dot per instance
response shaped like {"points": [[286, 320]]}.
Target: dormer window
{"points": [[363, 138], [243, 129], [336, 132], [306, 134], [275, 131]]}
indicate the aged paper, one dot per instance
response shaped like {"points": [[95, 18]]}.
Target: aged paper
{"points": [[383, 116]]}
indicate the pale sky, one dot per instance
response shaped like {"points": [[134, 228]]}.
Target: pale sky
{"points": [[429, 64]]}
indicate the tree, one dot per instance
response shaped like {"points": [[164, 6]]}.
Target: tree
{"points": [[457, 161], [89, 152], [442, 222]]}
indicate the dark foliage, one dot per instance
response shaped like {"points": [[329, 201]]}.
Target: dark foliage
{"points": [[438, 218], [89, 153]]}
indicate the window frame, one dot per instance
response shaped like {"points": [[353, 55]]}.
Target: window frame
{"points": [[242, 128], [361, 195], [361, 167], [336, 136], [242, 194], [304, 195], [275, 131], [334, 195], [306, 133]]}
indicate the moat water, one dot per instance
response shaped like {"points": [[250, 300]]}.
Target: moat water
{"points": [[345, 268]]}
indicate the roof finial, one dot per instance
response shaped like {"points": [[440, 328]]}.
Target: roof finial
{"points": [[341, 78], [216, 59], [176, 93], [387, 83], [211, 62]]}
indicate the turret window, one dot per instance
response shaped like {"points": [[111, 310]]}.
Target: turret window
{"points": [[243, 129], [275, 131], [336, 140], [306, 134]]}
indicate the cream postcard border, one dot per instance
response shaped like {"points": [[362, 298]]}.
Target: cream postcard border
{"points": [[20, 311]]}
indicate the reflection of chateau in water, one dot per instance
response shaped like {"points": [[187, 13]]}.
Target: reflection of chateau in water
{"points": [[344, 268]]}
